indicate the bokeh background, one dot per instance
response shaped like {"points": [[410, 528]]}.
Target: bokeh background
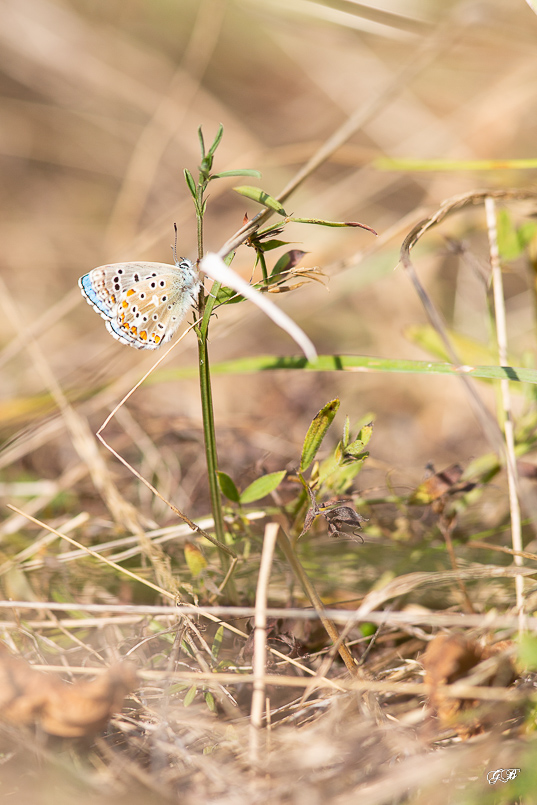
{"points": [[100, 106]]}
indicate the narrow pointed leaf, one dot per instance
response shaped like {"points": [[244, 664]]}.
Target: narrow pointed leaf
{"points": [[256, 194], [227, 485], [237, 172], [366, 433], [287, 261], [316, 433], [202, 144], [216, 143], [190, 696], [227, 296], [217, 642], [268, 245], [191, 184], [262, 487], [346, 432]]}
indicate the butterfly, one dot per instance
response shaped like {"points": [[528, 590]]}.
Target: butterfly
{"points": [[142, 303]]}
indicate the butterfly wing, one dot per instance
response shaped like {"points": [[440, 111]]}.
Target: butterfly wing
{"points": [[142, 303]]}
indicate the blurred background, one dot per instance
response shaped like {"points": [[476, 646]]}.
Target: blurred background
{"points": [[100, 106]]}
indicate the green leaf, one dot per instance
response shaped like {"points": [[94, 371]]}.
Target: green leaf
{"points": [[262, 487], [191, 184], [513, 241], [195, 559], [228, 296], [177, 688], [217, 642], [527, 232], [206, 165], [508, 243], [346, 432], [287, 261], [190, 696], [238, 172], [209, 700], [336, 477], [227, 485], [316, 433], [256, 194], [527, 651], [356, 448], [202, 144], [216, 142], [268, 245]]}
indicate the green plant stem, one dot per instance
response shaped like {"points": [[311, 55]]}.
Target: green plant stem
{"points": [[210, 441], [206, 396]]}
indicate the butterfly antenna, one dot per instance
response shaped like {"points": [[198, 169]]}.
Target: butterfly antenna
{"points": [[174, 248]]}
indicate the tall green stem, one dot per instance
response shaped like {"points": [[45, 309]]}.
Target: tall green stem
{"points": [[205, 305], [210, 441]]}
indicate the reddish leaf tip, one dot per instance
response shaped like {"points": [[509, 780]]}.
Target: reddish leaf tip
{"points": [[362, 226]]}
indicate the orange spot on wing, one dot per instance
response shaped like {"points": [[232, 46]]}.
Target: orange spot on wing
{"points": [[156, 339], [130, 292], [124, 303], [143, 335]]}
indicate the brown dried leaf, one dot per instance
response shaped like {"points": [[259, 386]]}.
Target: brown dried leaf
{"points": [[28, 696], [449, 658]]}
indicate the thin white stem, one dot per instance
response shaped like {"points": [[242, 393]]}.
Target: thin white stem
{"points": [[214, 267], [508, 425], [260, 640]]}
